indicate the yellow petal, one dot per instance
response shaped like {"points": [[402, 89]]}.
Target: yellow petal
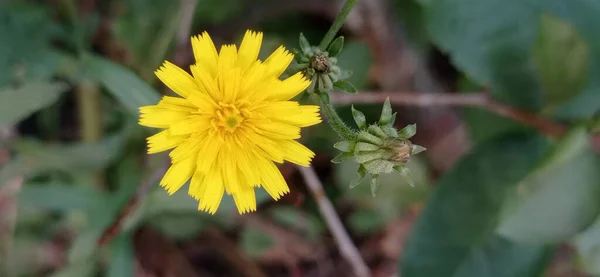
{"points": [[245, 199], [276, 130], [272, 180], [176, 79], [158, 117], [163, 141], [205, 53], [249, 49], [227, 158], [192, 124], [206, 82], [178, 174], [185, 149], [295, 152], [278, 61], [197, 185], [213, 194], [288, 88]]}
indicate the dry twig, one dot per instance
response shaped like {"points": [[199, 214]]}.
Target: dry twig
{"points": [[480, 100], [346, 246]]}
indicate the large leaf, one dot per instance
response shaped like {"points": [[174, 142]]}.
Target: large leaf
{"points": [[25, 53], [18, 103], [492, 41], [128, 88], [33, 157], [122, 257], [562, 60], [463, 211], [59, 198], [588, 248], [564, 191]]}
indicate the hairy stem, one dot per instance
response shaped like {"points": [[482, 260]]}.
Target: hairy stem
{"points": [[337, 24], [335, 122]]}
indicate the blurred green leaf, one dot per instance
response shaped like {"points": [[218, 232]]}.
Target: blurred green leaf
{"points": [[564, 191], [121, 257], [357, 58], [59, 198], [492, 42], [462, 213], [393, 196], [503, 258], [292, 217], [25, 52], [131, 91], [147, 31], [84, 246], [255, 242], [588, 248], [85, 268], [18, 103], [366, 221], [33, 157], [562, 60]]}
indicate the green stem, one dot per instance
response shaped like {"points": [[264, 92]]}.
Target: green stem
{"points": [[335, 122], [337, 24]]}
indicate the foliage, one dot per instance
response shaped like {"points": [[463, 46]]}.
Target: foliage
{"points": [[504, 209]]}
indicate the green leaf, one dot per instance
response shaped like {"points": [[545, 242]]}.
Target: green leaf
{"points": [[131, 91], [359, 118], [336, 46], [255, 242], [386, 113], [342, 157], [18, 103], [34, 157], [461, 214], [304, 44], [587, 245], [408, 132], [360, 175], [345, 86], [121, 261], [85, 268], [345, 146], [491, 41], [562, 60], [59, 198], [27, 55], [503, 258], [571, 177]]}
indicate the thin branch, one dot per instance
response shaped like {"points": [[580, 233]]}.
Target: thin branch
{"points": [[481, 100], [347, 248]]}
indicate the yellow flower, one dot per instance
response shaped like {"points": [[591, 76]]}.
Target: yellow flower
{"points": [[234, 119]]}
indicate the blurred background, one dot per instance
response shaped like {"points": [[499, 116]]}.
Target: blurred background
{"points": [[505, 95]]}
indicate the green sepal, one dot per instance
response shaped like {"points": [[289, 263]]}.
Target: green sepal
{"points": [[408, 132], [305, 45], [341, 157], [345, 86], [365, 147], [345, 146], [416, 149], [359, 118], [376, 130], [360, 175], [386, 113], [336, 46]]}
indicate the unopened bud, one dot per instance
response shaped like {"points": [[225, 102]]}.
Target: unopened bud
{"points": [[320, 63], [402, 150]]}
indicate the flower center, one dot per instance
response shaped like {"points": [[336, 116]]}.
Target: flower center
{"points": [[228, 117]]}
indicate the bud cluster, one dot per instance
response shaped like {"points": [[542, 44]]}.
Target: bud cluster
{"points": [[379, 148], [320, 66]]}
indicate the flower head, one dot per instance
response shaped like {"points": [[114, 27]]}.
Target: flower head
{"points": [[233, 120]]}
